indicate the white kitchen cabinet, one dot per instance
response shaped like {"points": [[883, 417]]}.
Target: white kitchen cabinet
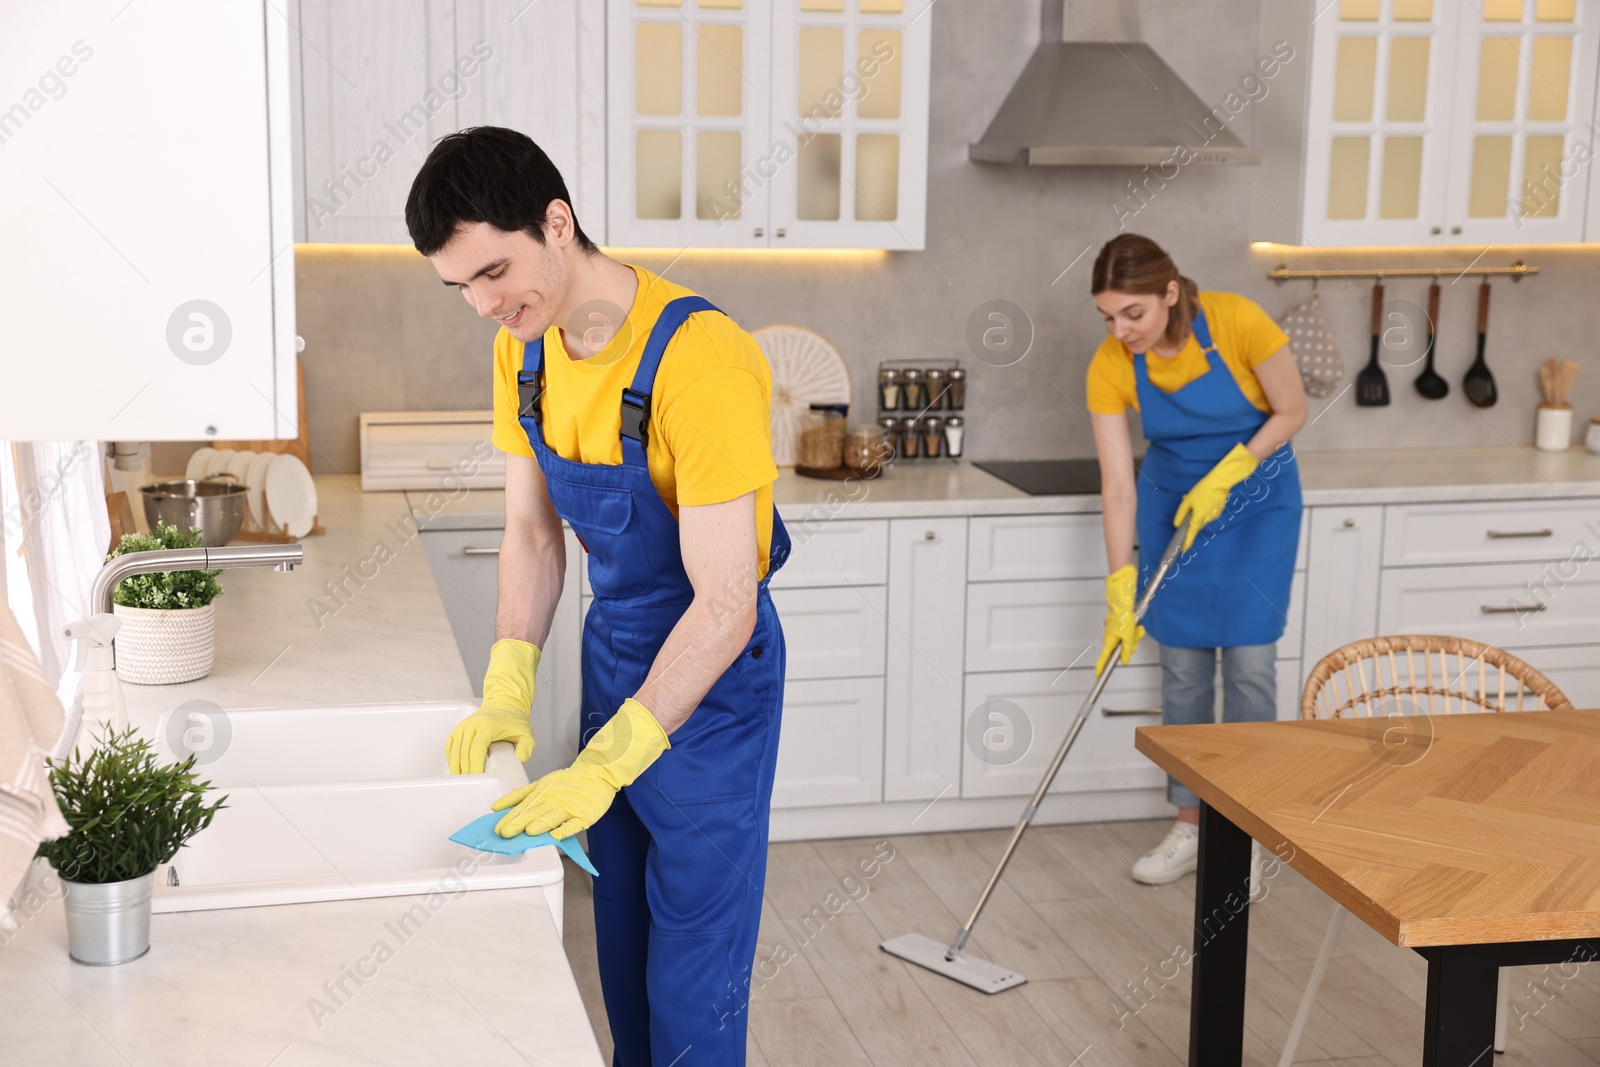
{"points": [[798, 124], [1426, 122], [831, 746], [1342, 577], [150, 198], [465, 569], [923, 678], [1020, 717], [1486, 532], [382, 81], [1060, 624], [829, 551], [832, 633], [1034, 547], [1511, 605], [1574, 669]]}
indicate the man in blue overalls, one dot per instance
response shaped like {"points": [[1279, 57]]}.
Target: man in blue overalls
{"points": [[639, 414]]}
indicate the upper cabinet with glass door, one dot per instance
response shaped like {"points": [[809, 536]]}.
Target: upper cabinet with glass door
{"points": [[756, 124], [1426, 122]]}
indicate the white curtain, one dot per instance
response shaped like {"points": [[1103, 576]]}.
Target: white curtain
{"points": [[60, 509]]}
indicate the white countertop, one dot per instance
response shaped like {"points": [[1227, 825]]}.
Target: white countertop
{"points": [[941, 487], [481, 980]]}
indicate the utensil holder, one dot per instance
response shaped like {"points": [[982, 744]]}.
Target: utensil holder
{"points": [[1552, 428]]}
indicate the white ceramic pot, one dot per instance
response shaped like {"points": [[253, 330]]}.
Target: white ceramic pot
{"points": [[163, 647], [1552, 428]]}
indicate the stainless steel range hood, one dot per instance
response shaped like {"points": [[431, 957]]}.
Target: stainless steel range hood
{"points": [[1102, 102]]}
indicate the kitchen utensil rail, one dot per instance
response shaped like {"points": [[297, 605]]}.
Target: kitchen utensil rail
{"points": [[1516, 272]]}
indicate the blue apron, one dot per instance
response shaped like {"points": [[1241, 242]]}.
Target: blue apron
{"points": [[1232, 587], [682, 852]]}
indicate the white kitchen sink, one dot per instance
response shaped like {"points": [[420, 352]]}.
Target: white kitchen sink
{"points": [[333, 803]]}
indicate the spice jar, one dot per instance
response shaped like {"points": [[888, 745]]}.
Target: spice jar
{"points": [[955, 427], [864, 448], [932, 436], [888, 388], [890, 425], [911, 389], [956, 388], [934, 385], [821, 438], [1592, 439], [910, 438]]}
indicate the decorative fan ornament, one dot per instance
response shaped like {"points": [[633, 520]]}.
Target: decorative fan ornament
{"points": [[806, 370]]}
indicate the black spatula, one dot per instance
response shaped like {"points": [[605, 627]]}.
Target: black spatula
{"points": [[1429, 382], [1479, 383], [1372, 388]]}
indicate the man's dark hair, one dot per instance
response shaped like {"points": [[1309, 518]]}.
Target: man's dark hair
{"points": [[485, 174]]}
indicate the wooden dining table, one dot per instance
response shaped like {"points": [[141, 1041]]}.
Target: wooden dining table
{"points": [[1473, 840]]}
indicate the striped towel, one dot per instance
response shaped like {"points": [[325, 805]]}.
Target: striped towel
{"points": [[31, 721]]}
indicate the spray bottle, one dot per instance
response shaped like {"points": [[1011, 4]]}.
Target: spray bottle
{"points": [[99, 689]]}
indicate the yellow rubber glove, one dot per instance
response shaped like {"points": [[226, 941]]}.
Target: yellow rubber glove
{"points": [[1121, 584], [1210, 494], [573, 798], [503, 715]]}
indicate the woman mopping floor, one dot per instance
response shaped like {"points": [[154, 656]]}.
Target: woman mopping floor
{"points": [[1219, 396]]}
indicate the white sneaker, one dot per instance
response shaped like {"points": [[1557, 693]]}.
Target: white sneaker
{"points": [[1176, 856]]}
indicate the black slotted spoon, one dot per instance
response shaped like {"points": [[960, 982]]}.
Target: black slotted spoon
{"points": [[1479, 383], [1429, 383], [1372, 388]]}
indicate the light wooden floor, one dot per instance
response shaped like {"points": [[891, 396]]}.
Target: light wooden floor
{"points": [[1069, 918]]}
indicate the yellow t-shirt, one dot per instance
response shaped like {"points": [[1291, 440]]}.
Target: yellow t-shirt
{"points": [[1245, 337], [710, 429]]}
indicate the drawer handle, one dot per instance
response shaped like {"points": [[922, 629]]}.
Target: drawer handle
{"points": [[1130, 711], [474, 550], [1491, 609], [1496, 535]]}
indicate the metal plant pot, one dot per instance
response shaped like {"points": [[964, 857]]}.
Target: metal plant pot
{"points": [[216, 506], [108, 922]]}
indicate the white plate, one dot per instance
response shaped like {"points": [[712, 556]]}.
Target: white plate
{"points": [[256, 480], [239, 465], [292, 495], [199, 463], [219, 462]]}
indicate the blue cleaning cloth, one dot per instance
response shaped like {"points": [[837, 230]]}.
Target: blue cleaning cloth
{"points": [[479, 834]]}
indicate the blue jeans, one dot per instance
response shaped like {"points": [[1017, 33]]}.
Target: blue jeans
{"points": [[1188, 692]]}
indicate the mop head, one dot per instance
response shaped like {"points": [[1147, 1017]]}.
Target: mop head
{"points": [[981, 975]]}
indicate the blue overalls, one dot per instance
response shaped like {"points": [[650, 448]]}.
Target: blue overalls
{"points": [[1232, 587], [682, 852]]}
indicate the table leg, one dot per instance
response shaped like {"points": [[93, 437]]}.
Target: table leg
{"points": [[1462, 983], [1221, 940]]}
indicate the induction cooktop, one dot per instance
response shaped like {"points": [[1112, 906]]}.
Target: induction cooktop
{"points": [[1048, 477]]}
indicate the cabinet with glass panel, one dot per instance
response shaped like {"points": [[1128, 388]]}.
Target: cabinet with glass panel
{"points": [[1428, 122], [767, 123]]}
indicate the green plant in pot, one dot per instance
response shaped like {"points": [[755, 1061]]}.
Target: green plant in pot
{"points": [[168, 632], [128, 814]]}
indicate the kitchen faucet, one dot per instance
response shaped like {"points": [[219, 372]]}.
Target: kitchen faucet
{"points": [[278, 557]]}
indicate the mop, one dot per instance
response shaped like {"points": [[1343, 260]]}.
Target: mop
{"points": [[949, 960]]}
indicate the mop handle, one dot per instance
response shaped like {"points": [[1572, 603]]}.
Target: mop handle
{"points": [[1167, 558]]}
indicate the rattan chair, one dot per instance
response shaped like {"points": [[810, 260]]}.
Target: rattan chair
{"points": [[1415, 674]]}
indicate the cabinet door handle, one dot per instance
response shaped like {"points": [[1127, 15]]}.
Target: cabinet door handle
{"points": [[1496, 535], [1130, 711], [1349, 524], [1495, 609], [929, 536], [475, 550]]}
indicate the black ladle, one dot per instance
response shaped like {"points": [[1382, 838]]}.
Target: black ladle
{"points": [[1479, 383], [1429, 383]]}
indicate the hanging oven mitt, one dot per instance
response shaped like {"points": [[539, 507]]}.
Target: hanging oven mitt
{"points": [[1321, 366]]}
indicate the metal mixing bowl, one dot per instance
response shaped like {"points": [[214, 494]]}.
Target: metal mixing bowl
{"points": [[217, 507]]}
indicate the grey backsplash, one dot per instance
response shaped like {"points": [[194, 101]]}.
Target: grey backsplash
{"points": [[383, 334]]}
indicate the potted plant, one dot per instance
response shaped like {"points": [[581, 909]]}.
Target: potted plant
{"points": [[127, 814], [168, 632]]}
